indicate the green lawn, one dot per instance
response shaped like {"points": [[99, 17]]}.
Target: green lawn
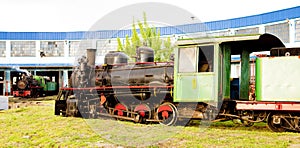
{"points": [[37, 126]]}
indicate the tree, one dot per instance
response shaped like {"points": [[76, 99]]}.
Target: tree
{"points": [[167, 50], [150, 37]]}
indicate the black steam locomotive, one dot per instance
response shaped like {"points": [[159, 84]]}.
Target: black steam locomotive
{"points": [[127, 91]]}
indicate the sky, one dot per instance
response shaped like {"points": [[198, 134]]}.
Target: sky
{"points": [[81, 15]]}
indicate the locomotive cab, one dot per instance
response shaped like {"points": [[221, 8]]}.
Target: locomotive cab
{"points": [[195, 73], [203, 67]]}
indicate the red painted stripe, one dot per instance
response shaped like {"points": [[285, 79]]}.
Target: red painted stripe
{"points": [[114, 87]]}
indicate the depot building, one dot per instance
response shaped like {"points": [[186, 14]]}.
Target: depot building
{"points": [[54, 54]]}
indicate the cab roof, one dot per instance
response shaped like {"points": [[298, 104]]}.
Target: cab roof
{"points": [[253, 43]]}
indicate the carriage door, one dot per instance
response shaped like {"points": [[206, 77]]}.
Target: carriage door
{"points": [[194, 77]]}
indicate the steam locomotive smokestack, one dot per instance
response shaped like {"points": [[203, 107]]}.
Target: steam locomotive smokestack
{"points": [[91, 56]]}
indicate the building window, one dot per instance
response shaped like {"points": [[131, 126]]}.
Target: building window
{"points": [[281, 30], [52, 48], [297, 31], [78, 48], [220, 33], [247, 31], [2, 48], [22, 48], [73, 48], [106, 45]]}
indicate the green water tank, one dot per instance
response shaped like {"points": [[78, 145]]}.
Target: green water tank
{"points": [[277, 79]]}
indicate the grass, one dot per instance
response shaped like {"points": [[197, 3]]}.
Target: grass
{"points": [[37, 126]]}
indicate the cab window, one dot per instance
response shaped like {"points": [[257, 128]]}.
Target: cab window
{"points": [[187, 60], [206, 58]]}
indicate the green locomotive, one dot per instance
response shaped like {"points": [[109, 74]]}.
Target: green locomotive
{"points": [[33, 86]]}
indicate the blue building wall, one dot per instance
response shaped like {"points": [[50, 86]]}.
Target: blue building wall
{"points": [[264, 18]]}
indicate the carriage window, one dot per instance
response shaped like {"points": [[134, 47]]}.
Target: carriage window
{"points": [[206, 59], [187, 60]]}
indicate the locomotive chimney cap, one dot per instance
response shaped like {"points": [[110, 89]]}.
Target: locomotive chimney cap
{"points": [[144, 49]]}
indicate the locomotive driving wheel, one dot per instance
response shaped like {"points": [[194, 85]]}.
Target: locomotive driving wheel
{"points": [[167, 114], [143, 112], [120, 110]]}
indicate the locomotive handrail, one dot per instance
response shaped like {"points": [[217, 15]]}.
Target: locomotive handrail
{"points": [[155, 63], [139, 63], [114, 87]]}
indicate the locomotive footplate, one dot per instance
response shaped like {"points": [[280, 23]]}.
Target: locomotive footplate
{"points": [[265, 105]]}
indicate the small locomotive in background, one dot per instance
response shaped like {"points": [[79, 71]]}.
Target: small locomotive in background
{"points": [[27, 85]]}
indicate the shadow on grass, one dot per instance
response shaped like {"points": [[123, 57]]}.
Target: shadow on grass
{"points": [[20, 99], [230, 125]]}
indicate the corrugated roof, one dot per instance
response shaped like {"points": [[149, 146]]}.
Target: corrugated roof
{"points": [[264, 18]]}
